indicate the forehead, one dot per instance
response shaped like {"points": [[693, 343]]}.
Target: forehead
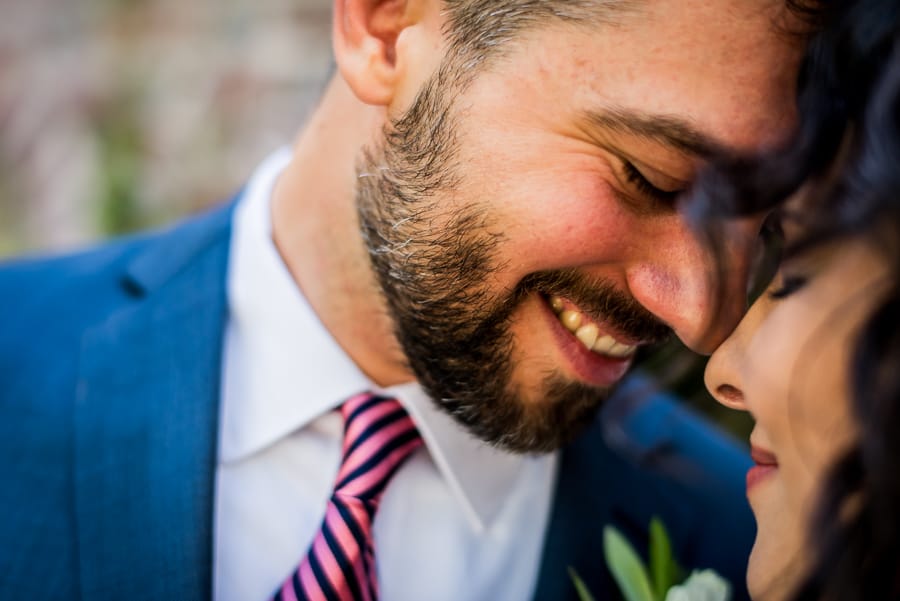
{"points": [[724, 67]]}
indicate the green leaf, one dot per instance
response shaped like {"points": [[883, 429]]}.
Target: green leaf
{"points": [[663, 570], [626, 566], [583, 593]]}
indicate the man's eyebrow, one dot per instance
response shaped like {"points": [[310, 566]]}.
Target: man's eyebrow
{"points": [[664, 129]]}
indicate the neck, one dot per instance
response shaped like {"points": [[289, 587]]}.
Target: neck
{"points": [[316, 230]]}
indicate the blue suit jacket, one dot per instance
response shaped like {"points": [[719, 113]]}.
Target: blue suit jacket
{"points": [[109, 388]]}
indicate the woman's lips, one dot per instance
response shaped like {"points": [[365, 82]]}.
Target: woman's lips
{"points": [[765, 465]]}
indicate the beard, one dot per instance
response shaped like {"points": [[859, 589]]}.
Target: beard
{"points": [[433, 265]]}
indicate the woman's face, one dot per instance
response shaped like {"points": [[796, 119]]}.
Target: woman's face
{"points": [[787, 364]]}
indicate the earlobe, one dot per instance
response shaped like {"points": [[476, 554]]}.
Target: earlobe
{"points": [[364, 36]]}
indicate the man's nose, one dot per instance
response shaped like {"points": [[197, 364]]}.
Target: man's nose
{"points": [[696, 284]]}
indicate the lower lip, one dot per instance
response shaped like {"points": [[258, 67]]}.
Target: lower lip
{"points": [[758, 473], [590, 367]]}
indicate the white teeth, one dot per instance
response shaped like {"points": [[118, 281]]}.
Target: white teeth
{"points": [[587, 334], [604, 344], [621, 350], [571, 320]]}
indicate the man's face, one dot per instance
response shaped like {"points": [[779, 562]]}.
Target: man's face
{"points": [[521, 219]]}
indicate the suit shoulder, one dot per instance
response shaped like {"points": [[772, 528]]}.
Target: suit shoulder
{"points": [[40, 296], [62, 294], [47, 303]]}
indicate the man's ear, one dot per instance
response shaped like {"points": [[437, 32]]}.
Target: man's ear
{"points": [[364, 36]]}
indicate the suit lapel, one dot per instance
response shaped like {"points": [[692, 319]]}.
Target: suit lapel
{"points": [[599, 486], [146, 418], [574, 537]]}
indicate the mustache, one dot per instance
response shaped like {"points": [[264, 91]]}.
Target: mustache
{"points": [[600, 299]]}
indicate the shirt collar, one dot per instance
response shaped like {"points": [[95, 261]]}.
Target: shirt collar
{"points": [[282, 368]]}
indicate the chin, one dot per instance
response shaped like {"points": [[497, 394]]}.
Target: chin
{"points": [[756, 574], [772, 572]]}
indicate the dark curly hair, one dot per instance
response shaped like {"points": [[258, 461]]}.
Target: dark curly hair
{"points": [[846, 157]]}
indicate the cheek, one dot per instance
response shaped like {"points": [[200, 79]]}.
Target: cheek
{"points": [[560, 218], [800, 483], [768, 365], [547, 193], [799, 397], [819, 410]]}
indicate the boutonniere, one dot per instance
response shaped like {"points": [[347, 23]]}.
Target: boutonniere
{"points": [[662, 580]]}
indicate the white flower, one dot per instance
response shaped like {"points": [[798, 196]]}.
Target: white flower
{"points": [[703, 585]]}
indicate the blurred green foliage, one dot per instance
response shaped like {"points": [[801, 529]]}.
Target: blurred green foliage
{"points": [[120, 150], [10, 240]]}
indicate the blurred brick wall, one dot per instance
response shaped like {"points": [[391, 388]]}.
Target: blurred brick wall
{"points": [[119, 114]]}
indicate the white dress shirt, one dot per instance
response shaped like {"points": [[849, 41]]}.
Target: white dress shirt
{"points": [[459, 521]]}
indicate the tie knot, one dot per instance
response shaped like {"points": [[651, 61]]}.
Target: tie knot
{"points": [[340, 564], [378, 437]]}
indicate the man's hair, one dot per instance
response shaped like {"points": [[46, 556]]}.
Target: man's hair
{"points": [[477, 29]]}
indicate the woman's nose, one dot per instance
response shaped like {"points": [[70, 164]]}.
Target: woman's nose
{"points": [[723, 375]]}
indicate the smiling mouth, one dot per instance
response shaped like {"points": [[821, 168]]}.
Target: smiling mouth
{"points": [[590, 333]]}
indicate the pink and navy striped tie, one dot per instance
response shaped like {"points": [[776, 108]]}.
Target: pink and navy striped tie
{"points": [[340, 564]]}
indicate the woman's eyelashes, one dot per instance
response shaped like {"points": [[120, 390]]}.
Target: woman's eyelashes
{"points": [[785, 266], [793, 264]]}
